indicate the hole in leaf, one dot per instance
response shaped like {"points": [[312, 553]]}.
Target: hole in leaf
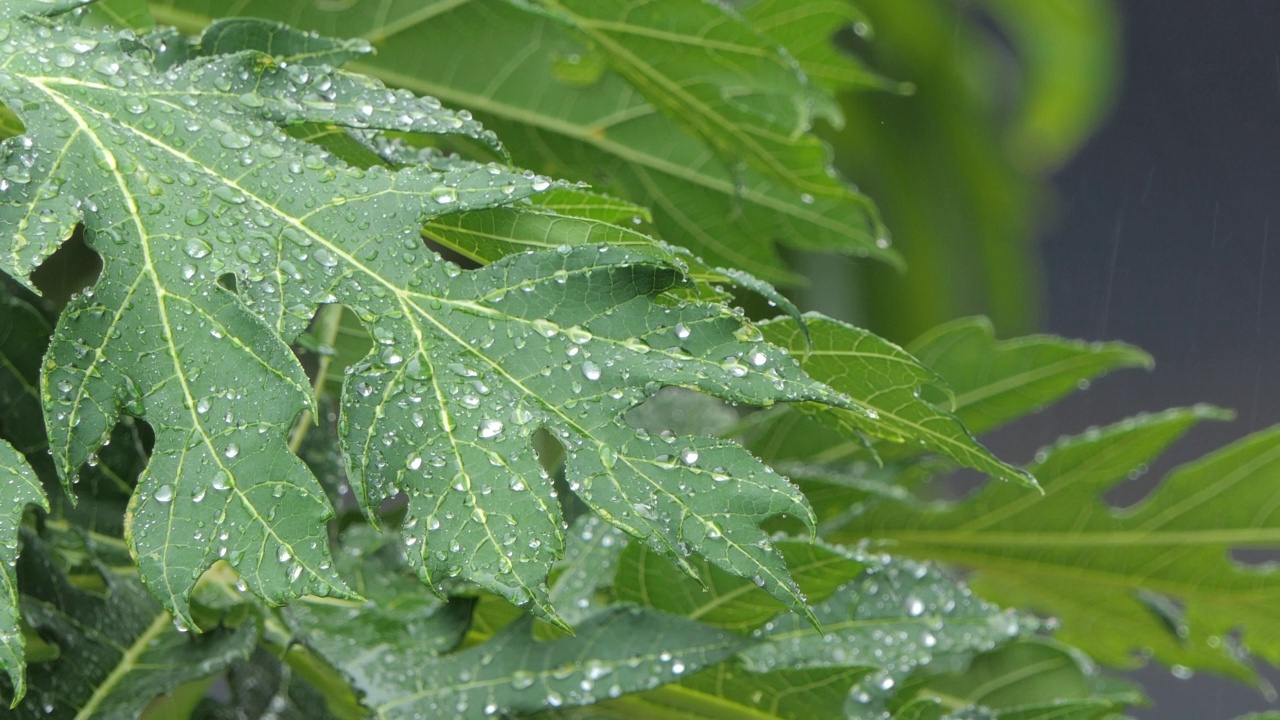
{"points": [[228, 282], [69, 270], [1257, 558], [681, 412], [334, 340]]}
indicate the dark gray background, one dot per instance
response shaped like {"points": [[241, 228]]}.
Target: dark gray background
{"points": [[1167, 235]]}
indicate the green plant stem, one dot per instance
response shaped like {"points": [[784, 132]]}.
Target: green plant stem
{"points": [[328, 323]]}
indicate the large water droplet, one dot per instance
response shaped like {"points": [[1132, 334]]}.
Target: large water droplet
{"points": [[490, 428]]}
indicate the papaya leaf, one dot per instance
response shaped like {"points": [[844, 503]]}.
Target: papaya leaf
{"points": [[550, 222], [995, 381], [409, 667], [728, 691], [1155, 578], [1036, 677], [580, 110], [591, 554], [894, 619], [186, 186], [881, 620], [722, 599], [21, 488], [886, 379], [807, 31], [119, 649]]}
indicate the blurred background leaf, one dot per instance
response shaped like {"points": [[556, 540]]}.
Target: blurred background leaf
{"points": [[1005, 91]]}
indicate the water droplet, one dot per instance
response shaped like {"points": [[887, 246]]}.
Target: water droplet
{"points": [[195, 217], [235, 140], [164, 493], [490, 428], [197, 248], [232, 450], [682, 331], [590, 370]]}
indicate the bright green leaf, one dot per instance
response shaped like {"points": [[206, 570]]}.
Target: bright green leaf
{"points": [[1157, 577], [896, 617], [884, 378], [722, 599], [806, 30], [1034, 675], [995, 381]]}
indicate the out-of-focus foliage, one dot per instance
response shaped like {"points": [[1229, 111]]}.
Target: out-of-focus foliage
{"points": [[1005, 91]]}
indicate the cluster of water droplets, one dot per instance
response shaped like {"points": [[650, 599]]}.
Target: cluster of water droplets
{"points": [[896, 617]]}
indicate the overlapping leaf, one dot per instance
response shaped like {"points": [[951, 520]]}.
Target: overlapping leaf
{"points": [[995, 381], [881, 621], [987, 383], [887, 380], [565, 107], [20, 488], [1036, 678], [117, 650], [404, 668], [182, 179], [1156, 577], [807, 32]]}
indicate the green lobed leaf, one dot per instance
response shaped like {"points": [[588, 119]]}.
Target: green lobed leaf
{"points": [[616, 652], [897, 617], [995, 381], [806, 32], [727, 692], [122, 14], [567, 114], [884, 378], [1156, 578], [565, 217], [591, 555], [263, 686], [399, 619], [107, 480], [750, 105], [722, 599], [119, 650], [1035, 678], [21, 488], [183, 177]]}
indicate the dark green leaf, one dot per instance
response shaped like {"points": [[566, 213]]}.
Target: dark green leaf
{"points": [[722, 599], [20, 489], [118, 650], [565, 112], [191, 179]]}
